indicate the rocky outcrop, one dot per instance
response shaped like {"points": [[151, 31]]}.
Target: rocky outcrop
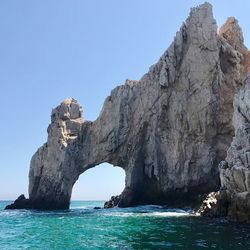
{"points": [[55, 166], [168, 131], [215, 204], [233, 199], [235, 170], [20, 203], [113, 202], [232, 32]]}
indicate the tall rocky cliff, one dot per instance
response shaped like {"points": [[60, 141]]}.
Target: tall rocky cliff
{"points": [[168, 131]]}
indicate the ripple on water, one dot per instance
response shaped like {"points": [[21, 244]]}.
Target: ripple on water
{"points": [[145, 227]]}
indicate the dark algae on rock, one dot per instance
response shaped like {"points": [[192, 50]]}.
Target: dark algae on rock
{"points": [[169, 130]]}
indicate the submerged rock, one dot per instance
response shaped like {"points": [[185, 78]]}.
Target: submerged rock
{"points": [[168, 131]]}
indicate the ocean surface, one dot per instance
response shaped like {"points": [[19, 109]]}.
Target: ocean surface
{"points": [[143, 227]]}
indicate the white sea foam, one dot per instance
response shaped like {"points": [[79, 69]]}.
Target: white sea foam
{"points": [[152, 214], [171, 214], [80, 207]]}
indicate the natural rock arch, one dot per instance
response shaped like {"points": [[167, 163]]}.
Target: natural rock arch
{"points": [[168, 131]]}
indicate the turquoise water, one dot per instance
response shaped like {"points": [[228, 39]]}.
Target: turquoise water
{"points": [[145, 227]]}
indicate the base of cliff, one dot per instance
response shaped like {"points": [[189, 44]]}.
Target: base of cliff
{"points": [[234, 207]]}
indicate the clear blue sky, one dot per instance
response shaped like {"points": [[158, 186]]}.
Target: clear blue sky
{"points": [[54, 49]]}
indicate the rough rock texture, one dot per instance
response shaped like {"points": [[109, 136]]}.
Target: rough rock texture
{"points": [[232, 32], [168, 131], [113, 202], [55, 166], [233, 200], [235, 172]]}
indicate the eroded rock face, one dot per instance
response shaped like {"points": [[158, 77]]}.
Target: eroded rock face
{"points": [[232, 32], [54, 168], [235, 172], [168, 131], [233, 200]]}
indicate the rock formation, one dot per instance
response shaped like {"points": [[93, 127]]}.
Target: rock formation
{"points": [[113, 202], [20, 203], [233, 200], [56, 165], [168, 131]]}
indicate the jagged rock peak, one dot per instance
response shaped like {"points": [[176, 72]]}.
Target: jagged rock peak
{"points": [[231, 31], [68, 109], [198, 34], [202, 11]]}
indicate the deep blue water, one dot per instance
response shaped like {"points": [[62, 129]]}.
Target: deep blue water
{"points": [[145, 227]]}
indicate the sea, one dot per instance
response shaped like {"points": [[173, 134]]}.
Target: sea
{"points": [[142, 227]]}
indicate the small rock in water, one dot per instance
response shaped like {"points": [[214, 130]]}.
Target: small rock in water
{"points": [[113, 202], [20, 203]]}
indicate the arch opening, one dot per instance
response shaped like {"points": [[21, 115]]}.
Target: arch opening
{"points": [[99, 183]]}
